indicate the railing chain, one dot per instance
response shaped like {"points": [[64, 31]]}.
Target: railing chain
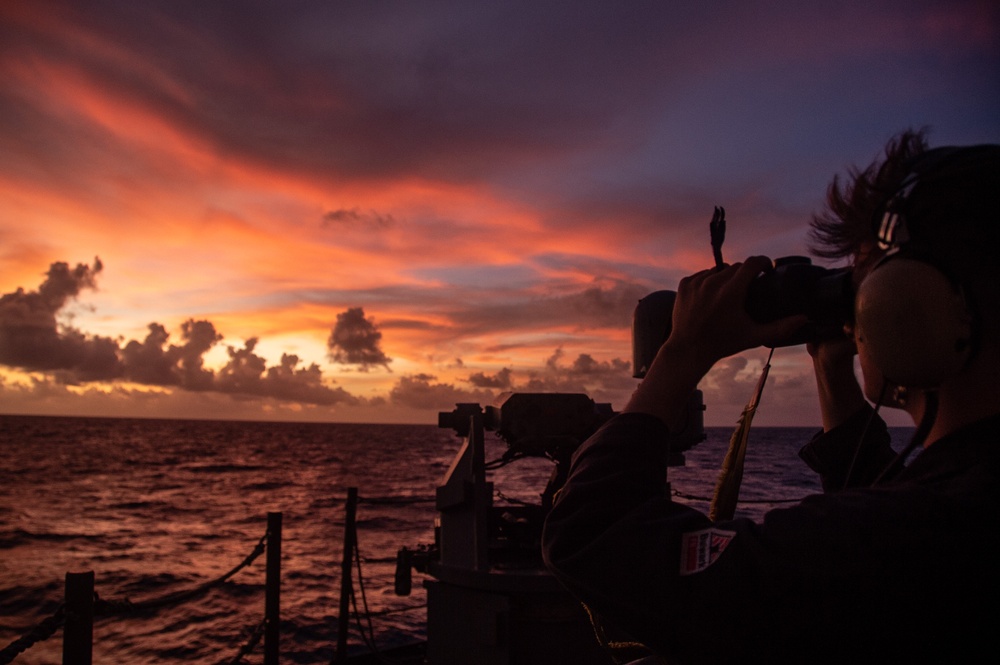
{"points": [[114, 607], [42, 631], [250, 644]]}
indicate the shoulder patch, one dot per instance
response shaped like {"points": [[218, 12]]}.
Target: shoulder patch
{"points": [[700, 549]]}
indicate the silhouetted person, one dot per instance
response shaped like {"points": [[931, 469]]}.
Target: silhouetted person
{"points": [[889, 564]]}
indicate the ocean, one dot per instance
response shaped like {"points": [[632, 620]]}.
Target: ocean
{"points": [[160, 506]]}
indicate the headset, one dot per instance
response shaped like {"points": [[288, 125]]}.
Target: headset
{"points": [[913, 318]]}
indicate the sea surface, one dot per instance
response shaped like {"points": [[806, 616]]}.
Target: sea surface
{"points": [[161, 506]]}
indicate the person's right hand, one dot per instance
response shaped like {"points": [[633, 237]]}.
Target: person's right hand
{"points": [[710, 319]]}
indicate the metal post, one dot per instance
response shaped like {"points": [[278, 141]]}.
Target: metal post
{"points": [[78, 632], [272, 590], [465, 499], [344, 620]]}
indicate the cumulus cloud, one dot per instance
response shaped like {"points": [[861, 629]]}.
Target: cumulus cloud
{"points": [[790, 387], [31, 339], [604, 381], [146, 361], [733, 380], [501, 380], [95, 358], [199, 337], [246, 373], [153, 362], [243, 371], [355, 340], [289, 381], [421, 391]]}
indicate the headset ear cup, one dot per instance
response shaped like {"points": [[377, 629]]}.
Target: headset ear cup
{"points": [[912, 323]]}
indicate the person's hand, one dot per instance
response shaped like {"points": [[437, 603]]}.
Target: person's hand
{"points": [[710, 322], [710, 318], [840, 394], [833, 354]]}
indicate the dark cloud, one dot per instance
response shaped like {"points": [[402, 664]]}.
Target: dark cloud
{"points": [[61, 283], [607, 304], [242, 374], [790, 387], [38, 309], [501, 380], [199, 337], [32, 339], [355, 217], [154, 363], [604, 381], [355, 340], [586, 365], [457, 89], [96, 357], [247, 374], [421, 391], [614, 96], [147, 361], [471, 309], [733, 380], [552, 362], [288, 381], [446, 89]]}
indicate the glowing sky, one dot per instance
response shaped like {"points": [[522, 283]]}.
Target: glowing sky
{"points": [[369, 211]]}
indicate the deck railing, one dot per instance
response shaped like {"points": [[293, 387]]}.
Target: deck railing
{"points": [[82, 605]]}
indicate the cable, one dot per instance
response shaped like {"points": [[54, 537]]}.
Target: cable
{"points": [[864, 432], [919, 436]]}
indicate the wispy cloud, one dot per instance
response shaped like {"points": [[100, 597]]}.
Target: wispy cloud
{"points": [[488, 182]]}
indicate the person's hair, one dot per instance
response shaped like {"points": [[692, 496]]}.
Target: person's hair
{"points": [[848, 222], [952, 213]]}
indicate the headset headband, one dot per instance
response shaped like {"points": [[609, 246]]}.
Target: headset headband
{"points": [[916, 220], [892, 232]]}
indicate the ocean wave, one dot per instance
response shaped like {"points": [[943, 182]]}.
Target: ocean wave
{"points": [[222, 468], [189, 501], [20, 536], [266, 486]]}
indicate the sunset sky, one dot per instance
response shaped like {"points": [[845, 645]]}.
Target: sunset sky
{"points": [[369, 211]]}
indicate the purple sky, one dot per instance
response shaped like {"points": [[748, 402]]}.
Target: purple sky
{"points": [[371, 210]]}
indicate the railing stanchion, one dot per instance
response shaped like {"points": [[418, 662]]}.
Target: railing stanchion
{"points": [[272, 590], [344, 620], [78, 631]]}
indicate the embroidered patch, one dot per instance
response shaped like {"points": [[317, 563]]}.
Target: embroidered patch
{"points": [[700, 549]]}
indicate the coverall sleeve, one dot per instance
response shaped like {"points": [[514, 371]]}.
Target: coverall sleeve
{"points": [[842, 451], [688, 588]]}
